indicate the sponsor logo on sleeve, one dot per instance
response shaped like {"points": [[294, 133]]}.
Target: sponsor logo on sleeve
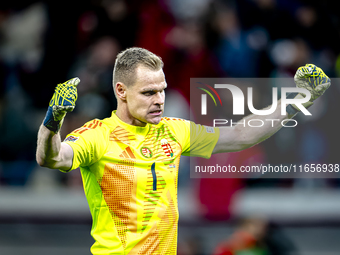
{"points": [[209, 129], [71, 138]]}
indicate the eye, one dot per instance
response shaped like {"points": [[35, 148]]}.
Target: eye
{"points": [[148, 93]]}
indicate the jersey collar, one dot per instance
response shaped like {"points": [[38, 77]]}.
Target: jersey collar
{"points": [[134, 129]]}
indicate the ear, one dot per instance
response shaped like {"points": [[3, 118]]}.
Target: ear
{"points": [[120, 90]]}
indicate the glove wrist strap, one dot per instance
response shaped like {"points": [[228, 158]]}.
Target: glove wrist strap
{"points": [[50, 123]]}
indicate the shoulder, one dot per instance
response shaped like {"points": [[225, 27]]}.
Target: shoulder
{"points": [[177, 125], [94, 133], [95, 124], [173, 121], [94, 128]]}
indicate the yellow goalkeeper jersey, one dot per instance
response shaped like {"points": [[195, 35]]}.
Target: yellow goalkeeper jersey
{"points": [[130, 180]]}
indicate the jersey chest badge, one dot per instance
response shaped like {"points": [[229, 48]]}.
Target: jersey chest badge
{"points": [[167, 148], [146, 152]]}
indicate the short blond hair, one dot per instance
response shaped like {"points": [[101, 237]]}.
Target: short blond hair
{"points": [[128, 60]]}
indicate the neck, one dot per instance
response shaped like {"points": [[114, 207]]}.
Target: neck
{"points": [[124, 115]]}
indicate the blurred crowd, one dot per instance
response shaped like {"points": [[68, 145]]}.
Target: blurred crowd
{"points": [[43, 43], [255, 236]]}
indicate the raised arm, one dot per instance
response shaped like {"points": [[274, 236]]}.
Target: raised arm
{"points": [[241, 136], [51, 152]]}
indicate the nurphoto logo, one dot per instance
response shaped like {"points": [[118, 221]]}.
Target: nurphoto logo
{"points": [[238, 103]]}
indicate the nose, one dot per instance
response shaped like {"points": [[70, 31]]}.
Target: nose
{"points": [[159, 98]]}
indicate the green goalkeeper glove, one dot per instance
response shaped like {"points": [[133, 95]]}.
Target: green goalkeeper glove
{"points": [[313, 79], [63, 101]]}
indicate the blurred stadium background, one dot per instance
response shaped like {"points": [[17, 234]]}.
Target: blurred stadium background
{"points": [[43, 43]]}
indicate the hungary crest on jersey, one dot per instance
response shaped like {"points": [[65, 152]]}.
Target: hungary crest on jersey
{"points": [[146, 152], [167, 148]]}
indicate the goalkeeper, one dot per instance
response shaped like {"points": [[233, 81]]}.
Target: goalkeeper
{"points": [[129, 162]]}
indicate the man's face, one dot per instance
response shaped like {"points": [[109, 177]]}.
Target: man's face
{"points": [[145, 99]]}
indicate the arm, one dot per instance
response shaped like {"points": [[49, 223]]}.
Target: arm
{"points": [[51, 152], [241, 136]]}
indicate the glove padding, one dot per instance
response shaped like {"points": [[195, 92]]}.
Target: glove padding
{"points": [[63, 101], [313, 79]]}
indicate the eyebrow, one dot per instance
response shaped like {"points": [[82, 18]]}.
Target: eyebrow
{"points": [[152, 89]]}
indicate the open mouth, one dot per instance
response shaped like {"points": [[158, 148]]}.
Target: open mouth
{"points": [[156, 113]]}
